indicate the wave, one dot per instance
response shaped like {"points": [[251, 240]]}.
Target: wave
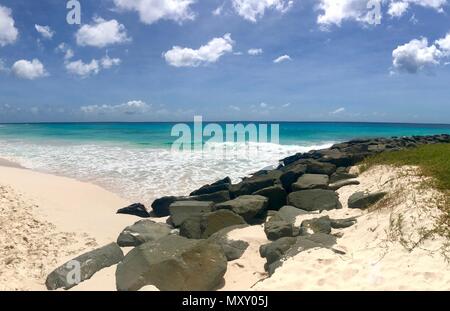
{"points": [[143, 174]]}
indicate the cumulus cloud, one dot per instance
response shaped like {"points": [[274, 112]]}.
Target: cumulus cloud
{"points": [[45, 31], [85, 70], [255, 52], [102, 33], [151, 11], [398, 7], [235, 108], [334, 12], [252, 10], [8, 31], [29, 70], [415, 56], [444, 44], [206, 54], [281, 59], [132, 107]]}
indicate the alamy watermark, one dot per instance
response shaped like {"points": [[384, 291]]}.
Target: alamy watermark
{"points": [[74, 14], [223, 138]]}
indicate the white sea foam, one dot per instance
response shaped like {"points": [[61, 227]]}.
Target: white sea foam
{"points": [[143, 174]]}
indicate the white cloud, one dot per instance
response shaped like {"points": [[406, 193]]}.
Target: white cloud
{"points": [[151, 11], [254, 52], [398, 7], [444, 44], [68, 52], [415, 55], [29, 70], [282, 59], [338, 111], [263, 105], [83, 69], [218, 11], [108, 62], [287, 105], [45, 31], [235, 108], [130, 108], [8, 31], [334, 12], [252, 10], [209, 53], [102, 33]]}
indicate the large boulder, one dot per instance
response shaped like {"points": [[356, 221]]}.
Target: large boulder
{"points": [[247, 206], [343, 183], [161, 206], [141, 232], [276, 196], [278, 229], [290, 213], [221, 185], [343, 223], [276, 252], [204, 225], [316, 225], [136, 209], [311, 181], [173, 263], [364, 200], [291, 174], [341, 174], [317, 167], [252, 184], [182, 210], [233, 249], [84, 267], [315, 200]]}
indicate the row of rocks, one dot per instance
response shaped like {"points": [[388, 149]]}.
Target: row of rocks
{"points": [[191, 250]]}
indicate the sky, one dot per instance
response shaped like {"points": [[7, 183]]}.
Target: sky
{"points": [[271, 60]]}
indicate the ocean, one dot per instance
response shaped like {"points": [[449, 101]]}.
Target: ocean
{"points": [[136, 161]]}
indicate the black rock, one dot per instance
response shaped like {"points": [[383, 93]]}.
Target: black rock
{"points": [[252, 184], [364, 200], [343, 183], [290, 213], [311, 181], [182, 210], [315, 200], [204, 225], [278, 229], [221, 185], [290, 175], [67, 276], [247, 206], [233, 249], [136, 209], [276, 196], [141, 232], [317, 225], [338, 176], [173, 263], [342, 223]]}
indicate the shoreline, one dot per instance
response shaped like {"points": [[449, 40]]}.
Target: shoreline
{"points": [[54, 219]]}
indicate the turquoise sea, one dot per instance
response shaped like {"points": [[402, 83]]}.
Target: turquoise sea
{"points": [[135, 160]]}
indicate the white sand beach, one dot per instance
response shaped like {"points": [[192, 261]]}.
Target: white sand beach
{"points": [[47, 220]]}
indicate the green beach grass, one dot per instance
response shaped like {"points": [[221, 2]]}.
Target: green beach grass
{"points": [[434, 162]]}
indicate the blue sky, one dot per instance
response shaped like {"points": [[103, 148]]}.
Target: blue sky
{"points": [[168, 60]]}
